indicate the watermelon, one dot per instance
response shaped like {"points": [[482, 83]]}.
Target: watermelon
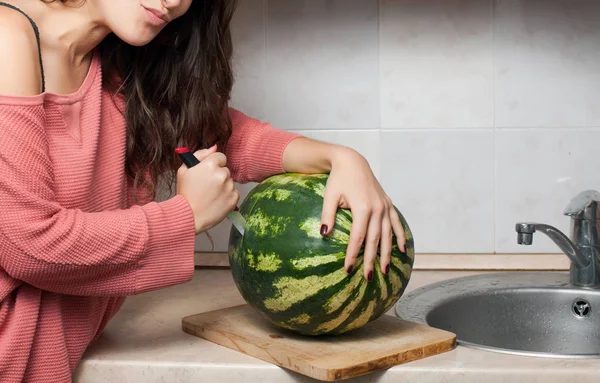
{"points": [[293, 276]]}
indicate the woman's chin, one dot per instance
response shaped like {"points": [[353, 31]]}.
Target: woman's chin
{"points": [[140, 38]]}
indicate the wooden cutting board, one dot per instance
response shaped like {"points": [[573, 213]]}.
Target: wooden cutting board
{"points": [[381, 344]]}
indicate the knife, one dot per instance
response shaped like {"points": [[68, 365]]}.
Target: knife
{"points": [[236, 218]]}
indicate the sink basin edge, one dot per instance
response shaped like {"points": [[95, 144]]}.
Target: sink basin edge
{"points": [[526, 313]]}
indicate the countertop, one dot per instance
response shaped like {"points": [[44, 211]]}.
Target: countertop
{"points": [[144, 343]]}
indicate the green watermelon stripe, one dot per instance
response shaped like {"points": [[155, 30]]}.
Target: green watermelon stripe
{"points": [[398, 270], [292, 290], [373, 295], [298, 308], [320, 270], [346, 313], [383, 284], [335, 289], [341, 298], [329, 292], [359, 310], [363, 318], [268, 262], [302, 263]]}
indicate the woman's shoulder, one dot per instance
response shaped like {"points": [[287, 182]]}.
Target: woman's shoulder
{"points": [[20, 72]]}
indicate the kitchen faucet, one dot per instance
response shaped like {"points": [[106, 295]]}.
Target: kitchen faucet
{"points": [[583, 248]]}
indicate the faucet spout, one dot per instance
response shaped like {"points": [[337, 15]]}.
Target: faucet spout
{"points": [[582, 246], [525, 232]]}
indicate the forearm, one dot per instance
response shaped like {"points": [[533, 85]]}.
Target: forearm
{"points": [[118, 252], [307, 156], [255, 149]]}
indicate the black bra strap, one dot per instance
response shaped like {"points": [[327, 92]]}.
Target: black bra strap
{"points": [[37, 37]]}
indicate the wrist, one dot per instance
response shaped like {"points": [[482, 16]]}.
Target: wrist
{"points": [[198, 224], [341, 155], [304, 155]]}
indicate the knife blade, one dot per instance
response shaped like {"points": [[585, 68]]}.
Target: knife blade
{"points": [[236, 218]]}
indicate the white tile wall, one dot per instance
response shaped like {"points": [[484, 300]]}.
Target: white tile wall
{"points": [[436, 64], [547, 72], [443, 183], [249, 62], [322, 64], [248, 34], [474, 114], [538, 172]]}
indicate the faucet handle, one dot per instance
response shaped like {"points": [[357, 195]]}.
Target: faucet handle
{"points": [[585, 205]]}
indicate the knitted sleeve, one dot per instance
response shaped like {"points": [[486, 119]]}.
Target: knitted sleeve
{"points": [[70, 251], [255, 149]]}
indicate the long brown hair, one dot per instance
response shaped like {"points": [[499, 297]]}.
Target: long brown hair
{"points": [[175, 89]]}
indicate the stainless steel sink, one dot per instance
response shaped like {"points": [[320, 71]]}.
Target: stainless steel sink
{"points": [[529, 313], [537, 313]]}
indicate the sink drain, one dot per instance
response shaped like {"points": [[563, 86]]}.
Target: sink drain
{"points": [[581, 308]]}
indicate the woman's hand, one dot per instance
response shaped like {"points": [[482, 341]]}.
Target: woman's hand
{"points": [[209, 189], [352, 185]]}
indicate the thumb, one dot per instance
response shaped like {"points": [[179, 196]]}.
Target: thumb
{"points": [[331, 202], [202, 154]]}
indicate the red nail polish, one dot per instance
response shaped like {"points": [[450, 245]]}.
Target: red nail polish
{"points": [[323, 229], [350, 268], [370, 276], [387, 269]]}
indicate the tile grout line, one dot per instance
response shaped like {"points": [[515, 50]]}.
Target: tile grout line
{"points": [[265, 40], [434, 129], [495, 163]]}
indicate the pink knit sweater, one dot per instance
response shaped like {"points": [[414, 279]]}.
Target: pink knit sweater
{"points": [[72, 243]]}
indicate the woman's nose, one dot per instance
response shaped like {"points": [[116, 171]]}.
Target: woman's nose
{"points": [[171, 4]]}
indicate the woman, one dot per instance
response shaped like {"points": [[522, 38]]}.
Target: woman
{"points": [[95, 95]]}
